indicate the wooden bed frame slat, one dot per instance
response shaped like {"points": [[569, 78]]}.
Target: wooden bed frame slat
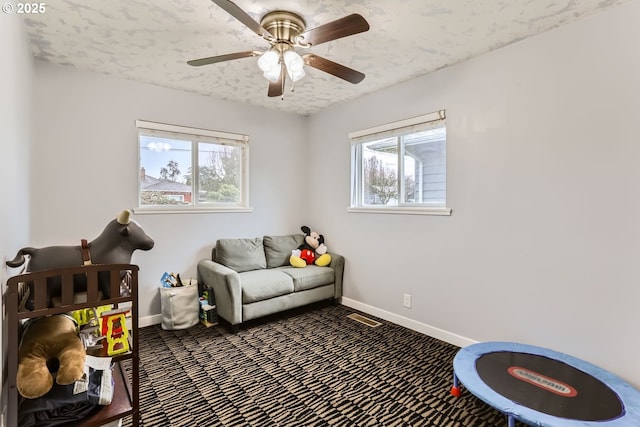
{"points": [[114, 285], [40, 293], [92, 286]]}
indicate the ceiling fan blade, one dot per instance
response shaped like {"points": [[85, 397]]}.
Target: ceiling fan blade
{"points": [[222, 58], [338, 70], [242, 16], [343, 27], [277, 88]]}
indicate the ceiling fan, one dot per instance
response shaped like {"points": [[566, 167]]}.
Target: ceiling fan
{"points": [[286, 31]]}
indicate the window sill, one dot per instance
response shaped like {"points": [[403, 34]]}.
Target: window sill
{"points": [[401, 210], [190, 210]]}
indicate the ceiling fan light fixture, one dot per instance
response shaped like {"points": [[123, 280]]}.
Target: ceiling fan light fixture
{"points": [[294, 64], [269, 63], [286, 31], [272, 75]]}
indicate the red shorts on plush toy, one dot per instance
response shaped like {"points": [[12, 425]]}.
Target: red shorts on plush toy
{"points": [[308, 256]]}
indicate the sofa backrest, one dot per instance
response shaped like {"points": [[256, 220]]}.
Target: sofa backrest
{"points": [[248, 254]]}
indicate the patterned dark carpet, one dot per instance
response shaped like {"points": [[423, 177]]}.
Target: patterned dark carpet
{"points": [[310, 368]]}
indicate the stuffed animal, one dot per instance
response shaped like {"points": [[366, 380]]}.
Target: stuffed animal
{"points": [[49, 342], [119, 239], [311, 251]]}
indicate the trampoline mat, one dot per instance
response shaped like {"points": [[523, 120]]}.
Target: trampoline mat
{"points": [[548, 386]]}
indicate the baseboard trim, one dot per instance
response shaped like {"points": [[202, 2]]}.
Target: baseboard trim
{"points": [[156, 319], [423, 328]]}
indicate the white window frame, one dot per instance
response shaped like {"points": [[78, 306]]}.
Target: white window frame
{"points": [[402, 127], [196, 135]]}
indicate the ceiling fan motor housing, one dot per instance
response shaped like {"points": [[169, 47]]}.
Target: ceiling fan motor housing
{"points": [[283, 26]]}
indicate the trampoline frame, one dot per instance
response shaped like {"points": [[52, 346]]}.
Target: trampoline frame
{"points": [[464, 370]]}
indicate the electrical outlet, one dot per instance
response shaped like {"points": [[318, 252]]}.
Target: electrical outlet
{"points": [[406, 301]]}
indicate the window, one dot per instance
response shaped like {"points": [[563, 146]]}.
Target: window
{"points": [[183, 168], [401, 167]]}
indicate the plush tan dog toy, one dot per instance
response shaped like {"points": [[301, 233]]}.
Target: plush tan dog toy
{"points": [[44, 341]]}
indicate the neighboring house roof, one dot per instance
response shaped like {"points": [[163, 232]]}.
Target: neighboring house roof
{"points": [[148, 181], [154, 184]]}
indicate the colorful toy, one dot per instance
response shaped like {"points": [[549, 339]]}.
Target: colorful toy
{"points": [[88, 316], [48, 340], [114, 328], [311, 251], [88, 320]]}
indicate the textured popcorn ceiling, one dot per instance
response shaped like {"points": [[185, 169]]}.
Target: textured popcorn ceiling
{"points": [[151, 40]]}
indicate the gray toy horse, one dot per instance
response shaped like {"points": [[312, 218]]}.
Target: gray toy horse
{"points": [[120, 238]]}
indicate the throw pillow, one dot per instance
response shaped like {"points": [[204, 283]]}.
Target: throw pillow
{"points": [[278, 248], [241, 254]]}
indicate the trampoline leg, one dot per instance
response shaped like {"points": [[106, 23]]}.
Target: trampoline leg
{"points": [[455, 389], [512, 421]]}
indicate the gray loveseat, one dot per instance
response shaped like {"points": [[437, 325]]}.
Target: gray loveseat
{"points": [[252, 277]]}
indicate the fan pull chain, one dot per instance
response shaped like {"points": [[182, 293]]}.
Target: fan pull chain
{"points": [[283, 72]]}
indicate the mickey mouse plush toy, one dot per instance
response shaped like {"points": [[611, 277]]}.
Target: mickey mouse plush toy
{"points": [[311, 251]]}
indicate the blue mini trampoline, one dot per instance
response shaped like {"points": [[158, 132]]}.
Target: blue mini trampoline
{"points": [[544, 388]]}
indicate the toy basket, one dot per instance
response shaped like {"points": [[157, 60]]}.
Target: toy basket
{"points": [[180, 307]]}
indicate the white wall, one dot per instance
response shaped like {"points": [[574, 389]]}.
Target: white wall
{"points": [[85, 168], [16, 78], [543, 245]]}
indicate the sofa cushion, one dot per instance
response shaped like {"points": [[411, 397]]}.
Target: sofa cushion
{"points": [[259, 285], [278, 249], [309, 277], [241, 254]]}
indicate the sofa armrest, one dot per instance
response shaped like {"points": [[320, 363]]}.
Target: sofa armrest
{"points": [[226, 289], [337, 263]]}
